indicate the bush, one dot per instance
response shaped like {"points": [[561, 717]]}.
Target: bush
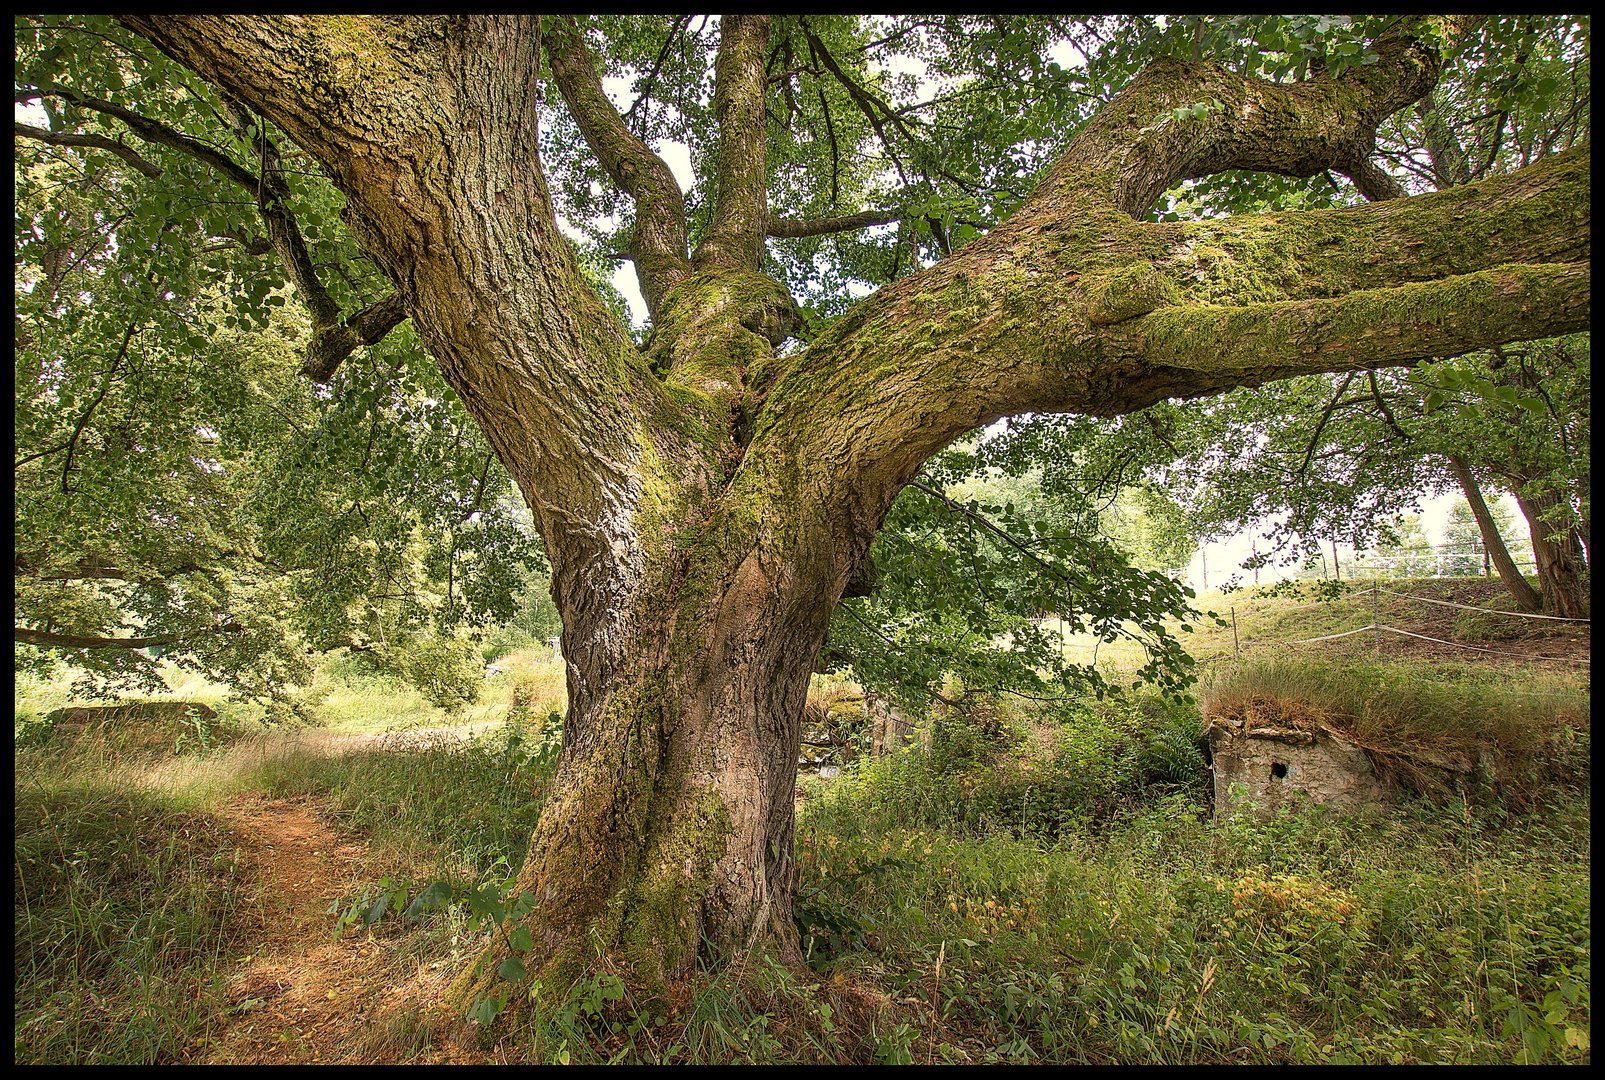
{"points": [[447, 671]]}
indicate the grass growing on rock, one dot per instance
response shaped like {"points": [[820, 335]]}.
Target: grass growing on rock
{"points": [[1536, 730]]}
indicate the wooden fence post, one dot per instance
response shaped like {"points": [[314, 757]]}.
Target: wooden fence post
{"points": [[1376, 620]]}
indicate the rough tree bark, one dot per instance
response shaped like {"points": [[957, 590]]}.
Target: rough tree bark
{"points": [[1527, 598], [1557, 550], [704, 501]]}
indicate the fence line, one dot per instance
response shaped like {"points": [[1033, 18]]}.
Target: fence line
{"points": [[1359, 565], [1423, 637], [1377, 625], [1473, 607], [1306, 641]]}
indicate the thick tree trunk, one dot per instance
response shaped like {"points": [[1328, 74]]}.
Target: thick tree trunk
{"points": [[1558, 553], [668, 834], [1527, 598], [704, 503]]}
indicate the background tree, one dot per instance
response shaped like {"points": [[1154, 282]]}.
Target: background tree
{"points": [[705, 498], [1463, 542]]}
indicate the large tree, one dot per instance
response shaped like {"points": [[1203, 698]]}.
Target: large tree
{"points": [[704, 498]]}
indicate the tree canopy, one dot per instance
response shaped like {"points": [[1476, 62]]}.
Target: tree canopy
{"points": [[900, 230]]}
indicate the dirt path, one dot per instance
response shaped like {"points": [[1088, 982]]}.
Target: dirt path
{"points": [[299, 995]]}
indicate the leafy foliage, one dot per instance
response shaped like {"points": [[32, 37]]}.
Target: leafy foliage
{"points": [[177, 481]]}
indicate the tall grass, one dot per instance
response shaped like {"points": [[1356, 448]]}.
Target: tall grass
{"points": [[1431, 933], [465, 805], [125, 907]]}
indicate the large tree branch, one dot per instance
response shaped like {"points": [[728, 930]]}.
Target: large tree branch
{"points": [[49, 640], [796, 228], [1135, 147], [429, 126], [741, 198], [658, 243], [98, 142], [1068, 308], [331, 345]]}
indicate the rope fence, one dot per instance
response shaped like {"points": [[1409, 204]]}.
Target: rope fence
{"points": [[1473, 607], [1377, 626]]}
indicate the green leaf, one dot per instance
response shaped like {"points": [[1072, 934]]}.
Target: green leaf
{"points": [[376, 910], [434, 895], [522, 906], [521, 939], [512, 969], [486, 1010]]}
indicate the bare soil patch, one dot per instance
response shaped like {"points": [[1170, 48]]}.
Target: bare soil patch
{"points": [[299, 995]]}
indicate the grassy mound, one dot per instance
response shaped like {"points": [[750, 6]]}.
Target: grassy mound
{"points": [[1533, 732]]}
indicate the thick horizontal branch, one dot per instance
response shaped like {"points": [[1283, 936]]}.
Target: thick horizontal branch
{"points": [[1542, 214], [1370, 327], [795, 228], [1071, 307], [328, 348], [97, 142], [1139, 147], [48, 640]]}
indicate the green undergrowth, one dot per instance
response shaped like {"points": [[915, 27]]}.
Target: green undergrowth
{"points": [[465, 804], [125, 911], [1048, 889], [1429, 933], [1068, 774]]}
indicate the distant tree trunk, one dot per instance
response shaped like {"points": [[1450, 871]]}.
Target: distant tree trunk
{"points": [[1559, 554], [1527, 598]]}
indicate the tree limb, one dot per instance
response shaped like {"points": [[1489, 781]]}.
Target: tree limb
{"points": [[741, 198], [329, 336], [51, 640], [369, 326], [1138, 148], [99, 142], [658, 244], [1320, 425], [795, 228]]}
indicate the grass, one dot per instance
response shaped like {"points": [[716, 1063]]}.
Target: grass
{"points": [[1530, 730], [1274, 615], [126, 905], [1058, 893], [1172, 939]]}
